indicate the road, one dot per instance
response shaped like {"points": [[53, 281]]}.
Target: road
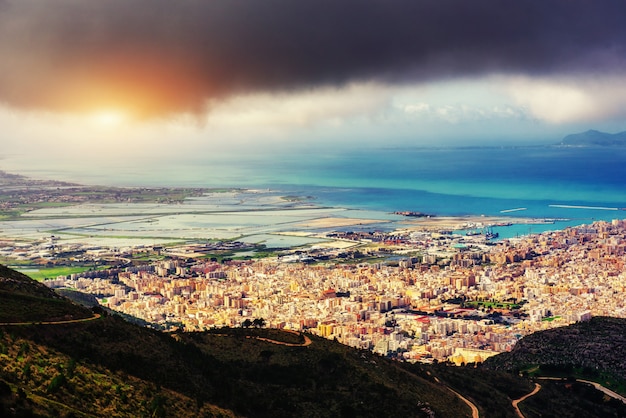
{"points": [[307, 341], [468, 402], [598, 386], [70, 321], [475, 413], [523, 398]]}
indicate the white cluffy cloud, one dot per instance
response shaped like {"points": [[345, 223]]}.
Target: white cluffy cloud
{"points": [[458, 113], [569, 100], [301, 108]]}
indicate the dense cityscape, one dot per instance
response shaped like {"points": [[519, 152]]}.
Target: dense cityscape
{"points": [[417, 294], [458, 301]]}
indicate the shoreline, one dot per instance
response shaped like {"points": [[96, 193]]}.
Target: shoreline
{"points": [[468, 222], [226, 213]]}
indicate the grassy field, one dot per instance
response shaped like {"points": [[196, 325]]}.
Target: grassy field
{"points": [[493, 305], [41, 274]]}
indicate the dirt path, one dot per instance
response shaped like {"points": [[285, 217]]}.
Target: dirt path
{"points": [[596, 385], [469, 403], [70, 321], [307, 340], [604, 390], [523, 398]]}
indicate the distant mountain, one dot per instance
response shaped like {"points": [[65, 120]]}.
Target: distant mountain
{"points": [[595, 138]]}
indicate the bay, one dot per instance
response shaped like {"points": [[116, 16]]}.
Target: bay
{"points": [[580, 184]]}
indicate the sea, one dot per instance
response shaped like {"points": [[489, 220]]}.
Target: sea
{"points": [[559, 185]]}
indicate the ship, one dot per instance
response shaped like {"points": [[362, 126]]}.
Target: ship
{"points": [[491, 235], [488, 233], [413, 213]]}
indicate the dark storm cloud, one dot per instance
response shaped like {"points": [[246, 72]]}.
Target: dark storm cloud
{"points": [[168, 56]]}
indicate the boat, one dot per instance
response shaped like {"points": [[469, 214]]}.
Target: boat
{"points": [[491, 235], [413, 214]]}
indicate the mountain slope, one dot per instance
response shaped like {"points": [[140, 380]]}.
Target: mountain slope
{"points": [[591, 351], [25, 300], [86, 368], [597, 346], [100, 365]]}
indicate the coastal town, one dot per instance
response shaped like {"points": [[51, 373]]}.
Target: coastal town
{"points": [[421, 291], [456, 302]]}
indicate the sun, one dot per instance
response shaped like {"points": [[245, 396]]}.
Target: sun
{"points": [[109, 118]]}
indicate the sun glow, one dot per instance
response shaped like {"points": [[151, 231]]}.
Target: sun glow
{"points": [[109, 118]]}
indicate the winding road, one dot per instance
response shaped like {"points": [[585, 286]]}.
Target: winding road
{"points": [[523, 398], [469, 403], [307, 341], [596, 385], [69, 321]]}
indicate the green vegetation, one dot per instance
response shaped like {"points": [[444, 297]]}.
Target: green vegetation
{"points": [[265, 254], [492, 304], [23, 300], [38, 381], [18, 210], [101, 194], [248, 376], [591, 350], [569, 399], [43, 273], [491, 392], [550, 318], [26, 195], [323, 379], [568, 371], [26, 308]]}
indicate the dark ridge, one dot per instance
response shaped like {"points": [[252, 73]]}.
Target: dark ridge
{"points": [[590, 349], [23, 299]]}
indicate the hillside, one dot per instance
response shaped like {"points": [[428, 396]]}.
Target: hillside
{"points": [[24, 300], [592, 351], [597, 346], [105, 366], [595, 138], [69, 361]]}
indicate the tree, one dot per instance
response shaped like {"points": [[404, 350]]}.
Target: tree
{"points": [[258, 322], [246, 324]]}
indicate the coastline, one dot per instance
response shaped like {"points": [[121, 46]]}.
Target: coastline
{"points": [[171, 213], [469, 222]]}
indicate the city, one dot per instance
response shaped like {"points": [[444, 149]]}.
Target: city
{"points": [[462, 304]]}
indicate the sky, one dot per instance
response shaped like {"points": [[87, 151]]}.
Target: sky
{"points": [[122, 81]]}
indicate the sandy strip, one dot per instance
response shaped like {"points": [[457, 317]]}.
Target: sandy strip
{"points": [[336, 222], [462, 222]]}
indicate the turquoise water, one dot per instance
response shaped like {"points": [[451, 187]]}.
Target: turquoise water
{"points": [[471, 181], [567, 184], [440, 181]]}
